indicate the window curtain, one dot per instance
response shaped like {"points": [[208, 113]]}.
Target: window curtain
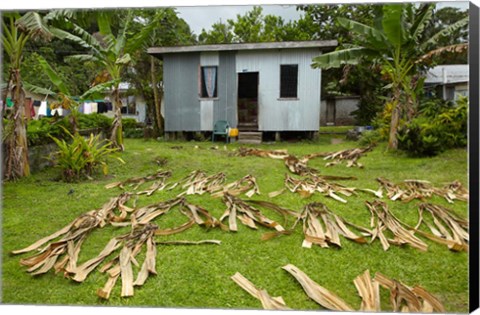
{"points": [[209, 77]]}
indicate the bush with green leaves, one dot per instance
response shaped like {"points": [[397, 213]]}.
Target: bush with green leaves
{"points": [[88, 121], [370, 138], [82, 156], [438, 127], [39, 131]]}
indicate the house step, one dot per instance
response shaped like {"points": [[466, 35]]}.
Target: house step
{"points": [[250, 137], [247, 127]]}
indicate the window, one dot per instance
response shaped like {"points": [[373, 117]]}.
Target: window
{"points": [[129, 105], [208, 78], [288, 81]]}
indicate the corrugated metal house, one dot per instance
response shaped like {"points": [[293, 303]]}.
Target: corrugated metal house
{"points": [[256, 87], [448, 81]]}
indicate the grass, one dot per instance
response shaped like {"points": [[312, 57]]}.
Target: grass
{"points": [[199, 276]]}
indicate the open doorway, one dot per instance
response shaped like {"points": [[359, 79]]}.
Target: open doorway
{"points": [[248, 101]]}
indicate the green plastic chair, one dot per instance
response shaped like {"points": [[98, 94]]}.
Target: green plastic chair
{"points": [[221, 129]]}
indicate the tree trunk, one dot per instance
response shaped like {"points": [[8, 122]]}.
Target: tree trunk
{"points": [[16, 147], [157, 95], [116, 136], [396, 112]]}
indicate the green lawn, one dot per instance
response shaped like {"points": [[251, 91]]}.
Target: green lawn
{"points": [[199, 276]]}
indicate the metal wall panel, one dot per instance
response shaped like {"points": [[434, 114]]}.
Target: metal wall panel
{"points": [[206, 115], [277, 114], [225, 107], [209, 58], [182, 108]]}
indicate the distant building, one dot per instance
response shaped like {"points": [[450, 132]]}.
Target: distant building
{"points": [[448, 81], [262, 87]]}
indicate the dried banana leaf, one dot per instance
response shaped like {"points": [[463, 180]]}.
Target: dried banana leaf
{"points": [[247, 185], [70, 244], [268, 302], [177, 229], [404, 298], [369, 291], [148, 213], [453, 191], [422, 189], [322, 227], [137, 181], [274, 154], [385, 220], [216, 242], [198, 183], [309, 185], [248, 215], [350, 155], [316, 292], [201, 216], [449, 229], [121, 265], [299, 167]]}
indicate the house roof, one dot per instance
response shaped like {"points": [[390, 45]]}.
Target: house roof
{"points": [[323, 44], [448, 74]]}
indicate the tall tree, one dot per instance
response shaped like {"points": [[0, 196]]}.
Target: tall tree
{"points": [[254, 27], [396, 42], [17, 30]]}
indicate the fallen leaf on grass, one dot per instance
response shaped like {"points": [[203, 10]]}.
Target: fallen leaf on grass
{"points": [[268, 302], [316, 292]]}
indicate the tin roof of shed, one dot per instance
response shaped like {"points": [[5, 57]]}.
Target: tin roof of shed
{"points": [[324, 44]]}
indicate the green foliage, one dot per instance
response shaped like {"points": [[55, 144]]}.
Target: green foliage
{"points": [[39, 131], [439, 127], [371, 138], [255, 27], [94, 120], [81, 156]]}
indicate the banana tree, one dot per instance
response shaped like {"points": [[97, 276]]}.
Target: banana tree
{"points": [[108, 52], [64, 98], [17, 30], [397, 42]]}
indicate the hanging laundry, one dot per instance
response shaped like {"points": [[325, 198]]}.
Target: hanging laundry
{"points": [[102, 107], [94, 107], [57, 111], [87, 109], [42, 111]]}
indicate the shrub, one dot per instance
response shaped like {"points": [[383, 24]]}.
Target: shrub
{"points": [[370, 138], [39, 131], [87, 121], [82, 156], [131, 128], [439, 127]]}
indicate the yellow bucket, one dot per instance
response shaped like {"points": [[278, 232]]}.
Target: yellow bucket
{"points": [[233, 132]]}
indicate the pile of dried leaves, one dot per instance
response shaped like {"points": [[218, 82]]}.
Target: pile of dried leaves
{"points": [[447, 228], [248, 215], [62, 255], [402, 297], [350, 155], [383, 220], [299, 166], [421, 189]]}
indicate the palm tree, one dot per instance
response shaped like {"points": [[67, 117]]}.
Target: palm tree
{"points": [[398, 42], [108, 51], [16, 31]]}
